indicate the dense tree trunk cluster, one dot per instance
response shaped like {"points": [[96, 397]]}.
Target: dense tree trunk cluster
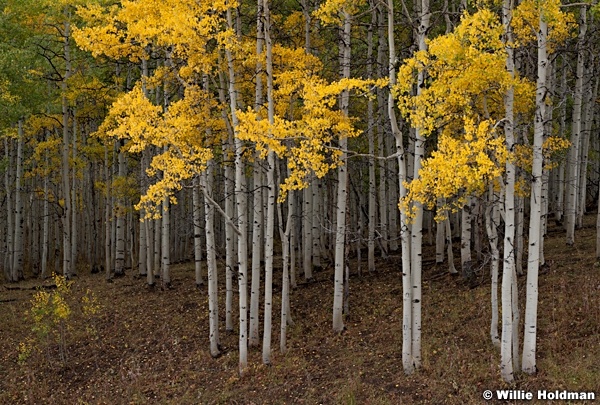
{"points": [[136, 149]]}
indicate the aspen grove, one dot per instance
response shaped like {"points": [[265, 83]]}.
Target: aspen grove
{"points": [[280, 139]]}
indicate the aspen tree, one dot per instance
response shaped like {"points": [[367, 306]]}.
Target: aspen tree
{"points": [[46, 230], [372, 203], [66, 190], [492, 222], [288, 261], [465, 239], [257, 192], [342, 192], [535, 218], [197, 230], [307, 233], [407, 309], [120, 218], [588, 119], [270, 223], [17, 265], [506, 369], [416, 243], [241, 210], [572, 176], [73, 194], [439, 240], [382, 116], [8, 260], [211, 262]]}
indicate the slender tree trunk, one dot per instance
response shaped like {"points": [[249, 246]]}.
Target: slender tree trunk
{"points": [[448, 233], [407, 315], [417, 226], [307, 233], [573, 156], [67, 264], [535, 218], [506, 348], [107, 217], [10, 231], [465, 240], [269, 231], [257, 193], [439, 239], [17, 267], [120, 214], [492, 221], [241, 211], [316, 223], [197, 232], [74, 190], [342, 192], [371, 135], [228, 171], [211, 263], [591, 97], [46, 231], [256, 254], [165, 248]]}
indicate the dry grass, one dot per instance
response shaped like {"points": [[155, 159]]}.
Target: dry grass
{"points": [[151, 346]]}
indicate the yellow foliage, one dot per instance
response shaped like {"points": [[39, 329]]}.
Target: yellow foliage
{"points": [[458, 168], [526, 17], [306, 140], [330, 11], [466, 75], [554, 150]]}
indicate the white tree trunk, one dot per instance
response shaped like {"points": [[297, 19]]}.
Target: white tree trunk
{"points": [[17, 267], [229, 190], [270, 229], [149, 229], [440, 239], [342, 192], [407, 358], [107, 217], [417, 226], [241, 211], [492, 221], [307, 233], [451, 268], [120, 213], [197, 231], [74, 190], [46, 231], [66, 189], [157, 247], [316, 223], [465, 240], [165, 246], [256, 254], [211, 263], [591, 97], [371, 139], [573, 156], [535, 218], [506, 348]]}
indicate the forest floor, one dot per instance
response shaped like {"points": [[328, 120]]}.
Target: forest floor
{"points": [[150, 346]]}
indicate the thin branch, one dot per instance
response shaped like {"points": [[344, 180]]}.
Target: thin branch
{"points": [[218, 207]]}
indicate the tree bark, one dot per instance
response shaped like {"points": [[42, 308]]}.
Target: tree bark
{"points": [[535, 217], [342, 192]]}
